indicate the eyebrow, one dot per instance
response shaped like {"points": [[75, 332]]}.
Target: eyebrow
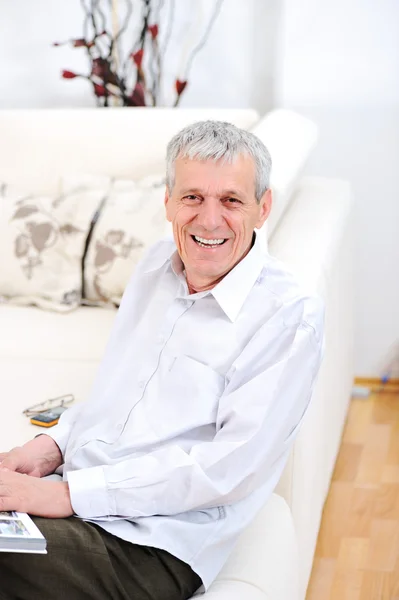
{"points": [[225, 193]]}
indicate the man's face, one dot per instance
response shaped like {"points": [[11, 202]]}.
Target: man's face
{"points": [[214, 212]]}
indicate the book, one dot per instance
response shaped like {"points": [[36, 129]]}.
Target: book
{"points": [[18, 533]]}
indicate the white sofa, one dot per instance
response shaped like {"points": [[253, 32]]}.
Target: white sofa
{"points": [[44, 354]]}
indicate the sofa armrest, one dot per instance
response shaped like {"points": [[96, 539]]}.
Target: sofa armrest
{"points": [[290, 139], [315, 240]]}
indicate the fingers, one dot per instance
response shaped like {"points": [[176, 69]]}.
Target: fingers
{"points": [[9, 463], [3, 457], [7, 504], [12, 461], [7, 500]]}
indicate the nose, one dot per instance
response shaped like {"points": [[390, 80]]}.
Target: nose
{"points": [[210, 214]]}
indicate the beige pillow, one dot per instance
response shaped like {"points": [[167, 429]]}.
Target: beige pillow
{"points": [[42, 242], [131, 219]]}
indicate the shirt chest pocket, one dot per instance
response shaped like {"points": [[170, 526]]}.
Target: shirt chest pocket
{"points": [[186, 398]]}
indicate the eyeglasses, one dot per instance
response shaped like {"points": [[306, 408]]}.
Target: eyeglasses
{"points": [[49, 404]]}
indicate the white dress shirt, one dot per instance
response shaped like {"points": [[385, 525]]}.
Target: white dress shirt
{"points": [[195, 406]]}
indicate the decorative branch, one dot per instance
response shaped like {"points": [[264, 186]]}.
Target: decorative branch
{"points": [[205, 37], [136, 80], [169, 26]]}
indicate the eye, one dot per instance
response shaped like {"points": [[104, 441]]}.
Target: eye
{"points": [[233, 201], [190, 197]]}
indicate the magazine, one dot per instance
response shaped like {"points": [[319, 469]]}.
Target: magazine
{"points": [[18, 533]]}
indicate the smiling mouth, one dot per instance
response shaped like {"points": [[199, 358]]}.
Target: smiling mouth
{"points": [[211, 243]]}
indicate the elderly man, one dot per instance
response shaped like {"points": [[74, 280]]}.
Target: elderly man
{"points": [[206, 377]]}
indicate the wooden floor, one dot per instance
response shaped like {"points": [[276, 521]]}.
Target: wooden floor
{"points": [[357, 556]]}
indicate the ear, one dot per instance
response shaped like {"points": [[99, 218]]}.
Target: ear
{"points": [[264, 208], [167, 205]]}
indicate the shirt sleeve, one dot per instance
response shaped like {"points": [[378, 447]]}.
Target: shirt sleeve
{"points": [[268, 391], [60, 433]]}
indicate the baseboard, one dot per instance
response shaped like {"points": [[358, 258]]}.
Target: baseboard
{"points": [[375, 385]]}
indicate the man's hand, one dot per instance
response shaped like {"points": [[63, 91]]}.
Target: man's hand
{"points": [[39, 497], [39, 457]]}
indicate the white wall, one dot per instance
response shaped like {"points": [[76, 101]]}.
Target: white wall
{"points": [[230, 71], [30, 66], [339, 65], [340, 52]]}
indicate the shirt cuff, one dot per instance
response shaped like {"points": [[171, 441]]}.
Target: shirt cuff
{"points": [[88, 492], [60, 434]]}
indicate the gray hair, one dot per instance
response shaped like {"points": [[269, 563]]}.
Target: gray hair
{"points": [[215, 140]]}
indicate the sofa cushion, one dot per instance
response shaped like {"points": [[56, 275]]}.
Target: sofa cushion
{"points": [[42, 242], [31, 333], [27, 382], [265, 559]]}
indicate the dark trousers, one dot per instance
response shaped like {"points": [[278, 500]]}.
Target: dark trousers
{"points": [[84, 562]]}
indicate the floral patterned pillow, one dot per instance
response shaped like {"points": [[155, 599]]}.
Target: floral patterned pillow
{"points": [[131, 219], [42, 243]]}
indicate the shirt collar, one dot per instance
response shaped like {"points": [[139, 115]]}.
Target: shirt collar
{"points": [[233, 290], [161, 254]]}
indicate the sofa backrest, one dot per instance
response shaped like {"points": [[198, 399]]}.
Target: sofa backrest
{"points": [[37, 146]]}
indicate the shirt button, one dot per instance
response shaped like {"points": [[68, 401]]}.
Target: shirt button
{"points": [[161, 339], [119, 427], [141, 384]]}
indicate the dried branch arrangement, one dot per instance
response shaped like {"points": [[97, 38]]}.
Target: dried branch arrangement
{"points": [[132, 77]]}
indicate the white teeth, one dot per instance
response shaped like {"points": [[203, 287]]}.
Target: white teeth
{"points": [[209, 242]]}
